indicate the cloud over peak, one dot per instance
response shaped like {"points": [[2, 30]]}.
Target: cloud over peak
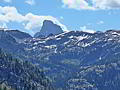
{"points": [[30, 22]]}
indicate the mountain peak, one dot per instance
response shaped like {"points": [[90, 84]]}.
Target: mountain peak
{"points": [[47, 22], [49, 28]]}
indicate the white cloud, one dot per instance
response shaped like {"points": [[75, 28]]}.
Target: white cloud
{"points": [[77, 4], [92, 4], [35, 21], [105, 4], [85, 29], [29, 21], [30, 2], [8, 14]]}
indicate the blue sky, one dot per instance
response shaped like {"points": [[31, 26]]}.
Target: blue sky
{"points": [[86, 15]]}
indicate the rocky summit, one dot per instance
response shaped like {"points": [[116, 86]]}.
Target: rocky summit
{"points": [[49, 28]]}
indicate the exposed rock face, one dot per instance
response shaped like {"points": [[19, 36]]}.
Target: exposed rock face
{"points": [[49, 28]]}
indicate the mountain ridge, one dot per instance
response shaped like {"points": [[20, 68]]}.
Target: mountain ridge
{"points": [[62, 55]]}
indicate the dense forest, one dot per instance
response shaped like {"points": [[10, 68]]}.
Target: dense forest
{"points": [[21, 75]]}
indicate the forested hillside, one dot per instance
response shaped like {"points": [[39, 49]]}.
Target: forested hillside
{"points": [[22, 75]]}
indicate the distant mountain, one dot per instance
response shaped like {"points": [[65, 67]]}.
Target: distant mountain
{"points": [[49, 28], [18, 34], [21, 75], [11, 42], [65, 55], [6, 37]]}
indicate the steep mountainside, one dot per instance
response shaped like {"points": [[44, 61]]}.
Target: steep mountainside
{"points": [[21, 75], [63, 55], [104, 75]]}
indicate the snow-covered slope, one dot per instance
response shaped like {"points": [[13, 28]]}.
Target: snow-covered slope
{"points": [[63, 54]]}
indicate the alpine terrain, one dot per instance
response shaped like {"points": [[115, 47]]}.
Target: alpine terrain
{"points": [[54, 59]]}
